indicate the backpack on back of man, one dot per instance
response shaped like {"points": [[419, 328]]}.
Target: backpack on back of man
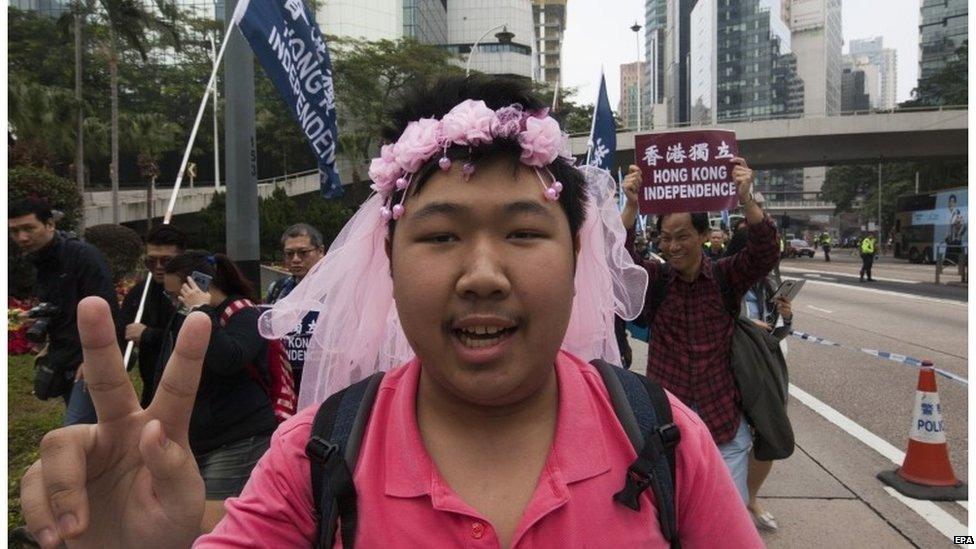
{"points": [[280, 383], [640, 404]]}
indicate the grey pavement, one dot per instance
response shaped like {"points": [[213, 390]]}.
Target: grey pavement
{"points": [[826, 494]]}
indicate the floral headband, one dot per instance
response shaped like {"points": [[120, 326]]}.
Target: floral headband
{"points": [[471, 123]]}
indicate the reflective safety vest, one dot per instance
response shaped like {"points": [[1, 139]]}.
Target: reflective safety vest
{"points": [[867, 246], [825, 239], [782, 245]]}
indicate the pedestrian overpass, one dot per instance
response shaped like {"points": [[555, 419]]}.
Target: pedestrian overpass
{"points": [[890, 136]]}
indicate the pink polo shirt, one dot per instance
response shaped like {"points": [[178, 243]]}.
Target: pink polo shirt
{"points": [[404, 502]]}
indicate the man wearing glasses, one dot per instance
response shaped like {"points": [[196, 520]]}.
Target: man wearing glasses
{"points": [[303, 248], [163, 243]]}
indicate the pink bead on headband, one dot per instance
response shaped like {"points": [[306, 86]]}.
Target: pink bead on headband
{"points": [[470, 123]]}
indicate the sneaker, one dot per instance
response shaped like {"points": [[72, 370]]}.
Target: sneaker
{"points": [[764, 521]]}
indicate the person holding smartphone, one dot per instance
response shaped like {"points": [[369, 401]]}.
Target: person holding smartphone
{"points": [[232, 418]]}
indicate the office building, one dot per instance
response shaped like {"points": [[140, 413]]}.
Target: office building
{"points": [[943, 28], [852, 95], [631, 84], [471, 21], [655, 39], [880, 66], [815, 26], [363, 19], [425, 21], [51, 8], [549, 19], [741, 65]]}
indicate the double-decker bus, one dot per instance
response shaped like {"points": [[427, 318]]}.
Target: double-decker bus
{"points": [[928, 223]]}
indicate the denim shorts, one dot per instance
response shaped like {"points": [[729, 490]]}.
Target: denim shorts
{"points": [[225, 470]]}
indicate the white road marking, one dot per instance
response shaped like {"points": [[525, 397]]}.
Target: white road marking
{"points": [[932, 513], [819, 309], [848, 275], [960, 304], [874, 442]]}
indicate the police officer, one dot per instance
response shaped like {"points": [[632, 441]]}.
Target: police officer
{"points": [[67, 271], [825, 242], [867, 256], [303, 248]]}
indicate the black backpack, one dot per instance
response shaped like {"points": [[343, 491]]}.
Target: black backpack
{"points": [[640, 404]]}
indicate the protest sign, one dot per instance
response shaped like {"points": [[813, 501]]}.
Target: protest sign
{"points": [[686, 171]]}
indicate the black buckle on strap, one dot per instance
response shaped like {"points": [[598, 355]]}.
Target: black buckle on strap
{"points": [[320, 450], [635, 483], [670, 435]]}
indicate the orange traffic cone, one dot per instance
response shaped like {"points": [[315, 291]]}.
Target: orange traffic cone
{"points": [[926, 472]]}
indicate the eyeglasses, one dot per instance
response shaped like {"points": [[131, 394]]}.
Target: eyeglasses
{"points": [[161, 261], [300, 253]]}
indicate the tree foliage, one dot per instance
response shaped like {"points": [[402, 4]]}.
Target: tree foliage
{"points": [[948, 86], [121, 246], [277, 213]]}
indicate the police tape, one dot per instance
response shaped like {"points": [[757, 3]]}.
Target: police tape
{"points": [[885, 355]]}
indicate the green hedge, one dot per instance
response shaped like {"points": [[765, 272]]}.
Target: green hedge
{"points": [[121, 246]]}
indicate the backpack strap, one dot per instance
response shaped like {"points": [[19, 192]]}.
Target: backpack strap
{"points": [[333, 449], [732, 305], [658, 292], [232, 309], [644, 412]]}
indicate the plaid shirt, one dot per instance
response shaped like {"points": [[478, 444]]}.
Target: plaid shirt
{"points": [[691, 337]]}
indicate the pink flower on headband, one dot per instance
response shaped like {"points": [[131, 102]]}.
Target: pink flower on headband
{"points": [[541, 141], [420, 140], [508, 121], [384, 170], [468, 123]]}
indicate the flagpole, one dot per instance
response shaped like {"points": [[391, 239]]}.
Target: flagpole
{"points": [[589, 148], [179, 181]]}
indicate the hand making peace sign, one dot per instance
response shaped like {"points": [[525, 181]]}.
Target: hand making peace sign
{"points": [[130, 480]]}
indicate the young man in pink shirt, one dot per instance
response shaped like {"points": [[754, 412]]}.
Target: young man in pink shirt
{"points": [[498, 433]]}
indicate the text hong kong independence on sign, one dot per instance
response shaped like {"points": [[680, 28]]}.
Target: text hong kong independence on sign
{"points": [[686, 171]]}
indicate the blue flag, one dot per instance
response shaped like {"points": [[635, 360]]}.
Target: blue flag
{"points": [[603, 135], [287, 42]]}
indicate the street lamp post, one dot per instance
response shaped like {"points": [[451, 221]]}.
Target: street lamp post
{"points": [[504, 37], [636, 28]]}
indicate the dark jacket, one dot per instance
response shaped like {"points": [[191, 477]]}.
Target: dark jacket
{"points": [[156, 315], [69, 270], [761, 375], [230, 405]]}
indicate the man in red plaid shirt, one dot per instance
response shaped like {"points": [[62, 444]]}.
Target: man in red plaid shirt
{"points": [[691, 334]]}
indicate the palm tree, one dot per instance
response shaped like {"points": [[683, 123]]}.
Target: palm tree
{"points": [[130, 22], [150, 135], [38, 115]]}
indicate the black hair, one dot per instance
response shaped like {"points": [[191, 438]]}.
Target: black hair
{"points": [[436, 100], [31, 205], [952, 197], [226, 275], [699, 220], [303, 229], [167, 235]]}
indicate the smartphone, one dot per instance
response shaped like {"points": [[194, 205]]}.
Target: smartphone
{"points": [[202, 280], [789, 288]]}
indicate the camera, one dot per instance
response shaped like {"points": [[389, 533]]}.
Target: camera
{"points": [[42, 313]]}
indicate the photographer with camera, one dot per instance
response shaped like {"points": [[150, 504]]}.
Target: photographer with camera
{"points": [[68, 270]]}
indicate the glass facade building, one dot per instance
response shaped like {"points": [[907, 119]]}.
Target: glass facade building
{"points": [[425, 21], [944, 27]]}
